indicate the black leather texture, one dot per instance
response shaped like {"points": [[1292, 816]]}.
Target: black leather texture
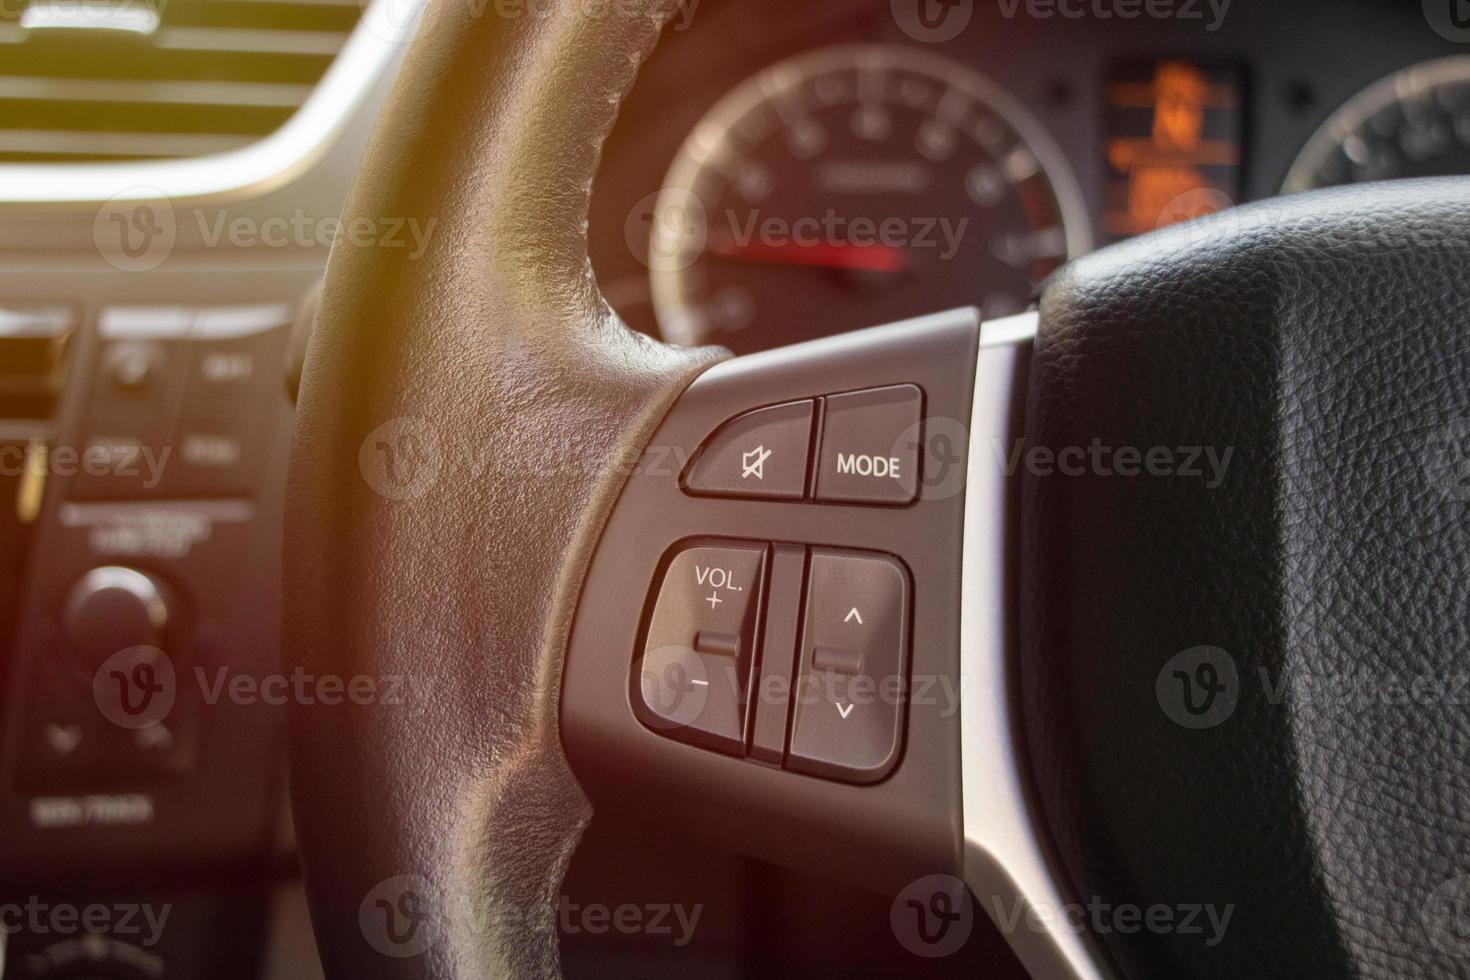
{"points": [[1323, 341], [466, 418]]}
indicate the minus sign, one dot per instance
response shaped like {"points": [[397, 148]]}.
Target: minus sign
{"points": [[700, 683]]}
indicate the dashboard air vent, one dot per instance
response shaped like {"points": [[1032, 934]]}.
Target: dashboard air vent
{"points": [[93, 80]]}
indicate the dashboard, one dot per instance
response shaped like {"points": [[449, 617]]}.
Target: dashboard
{"points": [[780, 172], [783, 172]]}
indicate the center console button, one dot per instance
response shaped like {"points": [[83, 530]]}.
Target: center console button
{"points": [[114, 608], [235, 359], [214, 457]]}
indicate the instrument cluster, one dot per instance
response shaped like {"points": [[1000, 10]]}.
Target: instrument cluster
{"points": [[784, 173]]}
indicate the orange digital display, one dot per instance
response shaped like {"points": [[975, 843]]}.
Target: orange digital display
{"points": [[1173, 144]]}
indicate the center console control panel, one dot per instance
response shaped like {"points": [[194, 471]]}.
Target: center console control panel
{"points": [[144, 630], [182, 388]]}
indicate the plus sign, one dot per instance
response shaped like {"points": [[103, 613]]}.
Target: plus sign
{"points": [[713, 599]]}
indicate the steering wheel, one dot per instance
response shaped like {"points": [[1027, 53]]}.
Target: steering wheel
{"points": [[1168, 579]]}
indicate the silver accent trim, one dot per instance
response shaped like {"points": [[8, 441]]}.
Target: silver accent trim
{"points": [[129, 580], [190, 323], [255, 41], [375, 44], [1005, 861], [89, 143], [224, 322], [313, 3], [59, 15], [1007, 330], [145, 322], [93, 515], [274, 94], [34, 321], [250, 39]]}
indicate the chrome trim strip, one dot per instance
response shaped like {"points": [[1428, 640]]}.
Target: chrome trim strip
{"points": [[34, 321], [1005, 862], [378, 41], [191, 323], [311, 3], [145, 323], [51, 15], [1008, 330], [38, 89], [224, 322], [93, 142], [93, 515], [254, 41]]}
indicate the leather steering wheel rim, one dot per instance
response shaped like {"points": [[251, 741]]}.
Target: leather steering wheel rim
{"points": [[437, 537]]}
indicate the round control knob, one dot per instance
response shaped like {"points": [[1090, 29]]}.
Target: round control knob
{"points": [[114, 608], [132, 366]]}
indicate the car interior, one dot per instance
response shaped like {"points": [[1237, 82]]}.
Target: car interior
{"points": [[734, 488]]}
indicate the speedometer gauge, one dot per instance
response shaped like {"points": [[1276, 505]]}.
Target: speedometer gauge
{"points": [[1415, 123], [853, 186]]}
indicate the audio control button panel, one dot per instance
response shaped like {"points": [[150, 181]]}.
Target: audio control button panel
{"points": [[698, 678], [785, 659]]}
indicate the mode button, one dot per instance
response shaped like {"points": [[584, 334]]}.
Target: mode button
{"points": [[870, 446]]}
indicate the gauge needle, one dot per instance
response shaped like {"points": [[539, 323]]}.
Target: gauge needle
{"points": [[875, 257]]}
